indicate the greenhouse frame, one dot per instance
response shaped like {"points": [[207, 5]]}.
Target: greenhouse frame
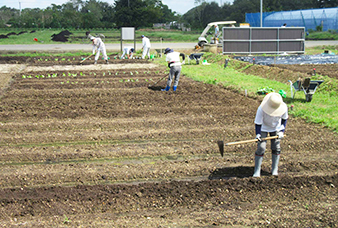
{"points": [[327, 18]]}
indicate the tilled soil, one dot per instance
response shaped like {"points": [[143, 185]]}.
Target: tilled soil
{"points": [[101, 147]]}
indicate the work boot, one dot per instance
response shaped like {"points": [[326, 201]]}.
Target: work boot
{"points": [[106, 61], [258, 164], [274, 166], [166, 88], [95, 62], [174, 88]]}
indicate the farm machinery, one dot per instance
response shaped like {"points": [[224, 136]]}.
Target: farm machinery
{"points": [[202, 40]]}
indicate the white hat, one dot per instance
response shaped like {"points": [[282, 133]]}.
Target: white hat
{"points": [[273, 104]]}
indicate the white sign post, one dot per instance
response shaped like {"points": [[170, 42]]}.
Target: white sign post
{"points": [[128, 33]]}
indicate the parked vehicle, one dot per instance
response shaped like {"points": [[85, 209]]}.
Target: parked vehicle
{"points": [[202, 40]]}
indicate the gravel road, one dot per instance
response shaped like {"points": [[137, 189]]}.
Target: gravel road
{"points": [[60, 47]]}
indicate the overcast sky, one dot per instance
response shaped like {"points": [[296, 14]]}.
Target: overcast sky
{"points": [[180, 6]]}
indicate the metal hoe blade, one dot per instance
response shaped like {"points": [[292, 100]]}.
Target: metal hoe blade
{"points": [[221, 147]]}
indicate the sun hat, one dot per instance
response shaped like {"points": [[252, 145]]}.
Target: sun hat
{"points": [[132, 49], [92, 37], [273, 104], [142, 36], [167, 50]]}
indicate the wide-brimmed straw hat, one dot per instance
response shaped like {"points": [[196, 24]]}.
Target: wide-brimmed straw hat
{"points": [[273, 104]]}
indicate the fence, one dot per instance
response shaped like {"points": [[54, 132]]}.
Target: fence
{"points": [[274, 40]]}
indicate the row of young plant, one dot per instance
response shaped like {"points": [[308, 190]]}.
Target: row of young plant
{"points": [[106, 82], [69, 74]]}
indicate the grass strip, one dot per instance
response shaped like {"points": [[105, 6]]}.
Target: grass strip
{"points": [[323, 109]]}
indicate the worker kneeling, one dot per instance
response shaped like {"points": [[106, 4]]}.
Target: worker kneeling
{"points": [[271, 118], [129, 51], [174, 63]]}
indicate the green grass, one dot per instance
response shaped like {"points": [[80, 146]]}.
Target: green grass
{"points": [[327, 35]]}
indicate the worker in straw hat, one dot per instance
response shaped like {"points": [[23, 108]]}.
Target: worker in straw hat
{"points": [[271, 118]]}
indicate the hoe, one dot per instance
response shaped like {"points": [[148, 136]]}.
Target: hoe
{"points": [[221, 143], [157, 81], [86, 58]]}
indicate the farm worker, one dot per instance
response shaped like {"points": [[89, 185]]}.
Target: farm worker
{"points": [[146, 47], [99, 46], [216, 31], [271, 118], [174, 63], [129, 51]]}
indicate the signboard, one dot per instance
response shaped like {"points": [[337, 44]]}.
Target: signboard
{"points": [[128, 33]]}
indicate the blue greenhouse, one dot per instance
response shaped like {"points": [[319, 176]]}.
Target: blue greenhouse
{"points": [[310, 19]]}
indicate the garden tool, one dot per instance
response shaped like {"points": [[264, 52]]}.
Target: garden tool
{"points": [[86, 58], [221, 143], [157, 81]]}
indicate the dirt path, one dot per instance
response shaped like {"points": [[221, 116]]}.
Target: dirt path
{"points": [[97, 147]]}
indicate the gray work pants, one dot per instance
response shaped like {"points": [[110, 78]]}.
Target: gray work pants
{"points": [[275, 144], [175, 71]]}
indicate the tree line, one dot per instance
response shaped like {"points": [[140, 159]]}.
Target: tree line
{"points": [[78, 14]]}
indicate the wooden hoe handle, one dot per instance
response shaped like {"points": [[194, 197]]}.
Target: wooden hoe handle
{"points": [[251, 140]]}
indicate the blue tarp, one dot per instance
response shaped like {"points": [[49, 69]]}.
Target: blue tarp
{"points": [[291, 59]]}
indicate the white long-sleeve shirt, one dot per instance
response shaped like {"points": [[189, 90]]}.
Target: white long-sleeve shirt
{"points": [[173, 58], [98, 44], [270, 123], [145, 42]]}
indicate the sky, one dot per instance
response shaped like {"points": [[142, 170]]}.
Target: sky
{"points": [[180, 6]]}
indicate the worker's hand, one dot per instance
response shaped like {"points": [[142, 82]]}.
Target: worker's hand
{"points": [[258, 137], [183, 62], [280, 134]]}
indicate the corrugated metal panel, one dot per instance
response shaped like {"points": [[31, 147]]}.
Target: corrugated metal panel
{"points": [[264, 34], [274, 40], [237, 34], [236, 47], [291, 46], [267, 46], [285, 33]]}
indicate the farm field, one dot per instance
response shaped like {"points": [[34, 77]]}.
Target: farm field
{"points": [[95, 146]]}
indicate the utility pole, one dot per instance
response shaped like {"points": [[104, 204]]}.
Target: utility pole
{"points": [[20, 9]]}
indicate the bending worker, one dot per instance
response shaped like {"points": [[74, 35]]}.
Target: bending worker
{"points": [[174, 63], [271, 118], [146, 47], [99, 46], [129, 51]]}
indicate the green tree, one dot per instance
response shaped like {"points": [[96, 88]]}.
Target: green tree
{"points": [[7, 16], [91, 15], [136, 13]]}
